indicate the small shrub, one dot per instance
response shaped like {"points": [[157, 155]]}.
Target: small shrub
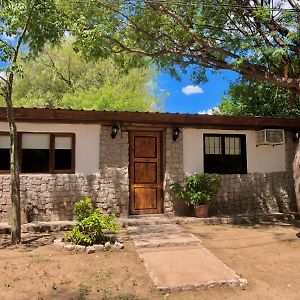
{"points": [[83, 208], [198, 189], [90, 226]]}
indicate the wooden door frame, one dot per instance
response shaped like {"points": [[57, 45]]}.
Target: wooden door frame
{"points": [[162, 164]]}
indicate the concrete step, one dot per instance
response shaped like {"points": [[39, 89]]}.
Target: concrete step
{"points": [[163, 235], [288, 218]]}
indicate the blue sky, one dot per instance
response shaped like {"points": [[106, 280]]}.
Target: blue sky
{"points": [[185, 97]]}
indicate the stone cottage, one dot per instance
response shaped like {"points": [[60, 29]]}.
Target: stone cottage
{"points": [[126, 161]]}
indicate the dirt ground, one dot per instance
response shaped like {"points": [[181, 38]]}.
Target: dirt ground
{"points": [[268, 257]]}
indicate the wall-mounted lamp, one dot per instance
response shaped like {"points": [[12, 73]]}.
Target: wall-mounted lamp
{"points": [[175, 134], [296, 136], [114, 131]]}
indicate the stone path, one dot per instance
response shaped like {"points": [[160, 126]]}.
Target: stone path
{"points": [[176, 259]]}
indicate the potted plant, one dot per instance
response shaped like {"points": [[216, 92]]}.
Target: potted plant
{"points": [[198, 190]]}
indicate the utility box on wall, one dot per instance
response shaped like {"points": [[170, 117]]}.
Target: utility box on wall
{"points": [[270, 137]]}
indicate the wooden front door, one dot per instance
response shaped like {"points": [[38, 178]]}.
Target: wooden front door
{"points": [[145, 172]]}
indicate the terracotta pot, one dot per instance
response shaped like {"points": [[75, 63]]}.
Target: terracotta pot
{"points": [[201, 211]]}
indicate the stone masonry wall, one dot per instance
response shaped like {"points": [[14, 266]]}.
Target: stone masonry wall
{"points": [[48, 197], [255, 193], [114, 174], [290, 150], [173, 172]]}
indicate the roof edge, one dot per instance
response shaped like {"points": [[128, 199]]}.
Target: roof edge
{"points": [[46, 115]]}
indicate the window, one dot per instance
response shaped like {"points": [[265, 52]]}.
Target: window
{"points": [[4, 152], [35, 155], [41, 152], [225, 154], [63, 153]]}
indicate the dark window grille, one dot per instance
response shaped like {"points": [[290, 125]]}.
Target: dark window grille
{"points": [[225, 154]]}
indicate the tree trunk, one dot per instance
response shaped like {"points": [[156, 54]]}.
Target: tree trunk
{"points": [[296, 170], [14, 172]]}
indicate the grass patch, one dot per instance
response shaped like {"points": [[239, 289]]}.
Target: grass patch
{"points": [[84, 291]]}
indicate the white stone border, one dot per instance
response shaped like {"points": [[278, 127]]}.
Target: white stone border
{"points": [[60, 244]]}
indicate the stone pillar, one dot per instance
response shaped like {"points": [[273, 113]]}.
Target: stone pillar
{"points": [[292, 169], [114, 174], [173, 169], [290, 150]]}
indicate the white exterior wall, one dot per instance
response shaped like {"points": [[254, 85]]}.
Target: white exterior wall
{"points": [[87, 143], [261, 159]]}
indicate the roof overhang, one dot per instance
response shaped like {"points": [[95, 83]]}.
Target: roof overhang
{"points": [[42, 115]]}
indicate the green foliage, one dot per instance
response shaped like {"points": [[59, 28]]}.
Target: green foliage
{"points": [[62, 78], [243, 36], [257, 98], [90, 225], [198, 189], [83, 208], [29, 23]]}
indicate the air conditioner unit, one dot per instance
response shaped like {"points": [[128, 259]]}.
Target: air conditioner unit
{"points": [[270, 137]]}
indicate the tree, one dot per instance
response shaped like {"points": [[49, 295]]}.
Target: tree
{"points": [[61, 77], [245, 36], [250, 37], [258, 98], [24, 25]]}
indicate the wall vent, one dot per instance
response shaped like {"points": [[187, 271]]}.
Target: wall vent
{"points": [[270, 137]]}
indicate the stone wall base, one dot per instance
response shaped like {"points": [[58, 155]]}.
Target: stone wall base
{"points": [[255, 193], [52, 197]]}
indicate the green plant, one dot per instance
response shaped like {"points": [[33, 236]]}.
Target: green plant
{"points": [[90, 226], [197, 189], [83, 208]]}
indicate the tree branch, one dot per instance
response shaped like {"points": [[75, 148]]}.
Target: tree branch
{"points": [[3, 79], [250, 72], [53, 66]]}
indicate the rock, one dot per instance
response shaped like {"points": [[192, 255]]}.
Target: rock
{"points": [[107, 245], [56, 241], [99, 247], [79, 248], [69, 247], [90, 249], [118, 245]]}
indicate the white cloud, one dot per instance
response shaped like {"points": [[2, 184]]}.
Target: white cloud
{"points": [[208, 111], [3, 75], [192, 89], [10, 38]]}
